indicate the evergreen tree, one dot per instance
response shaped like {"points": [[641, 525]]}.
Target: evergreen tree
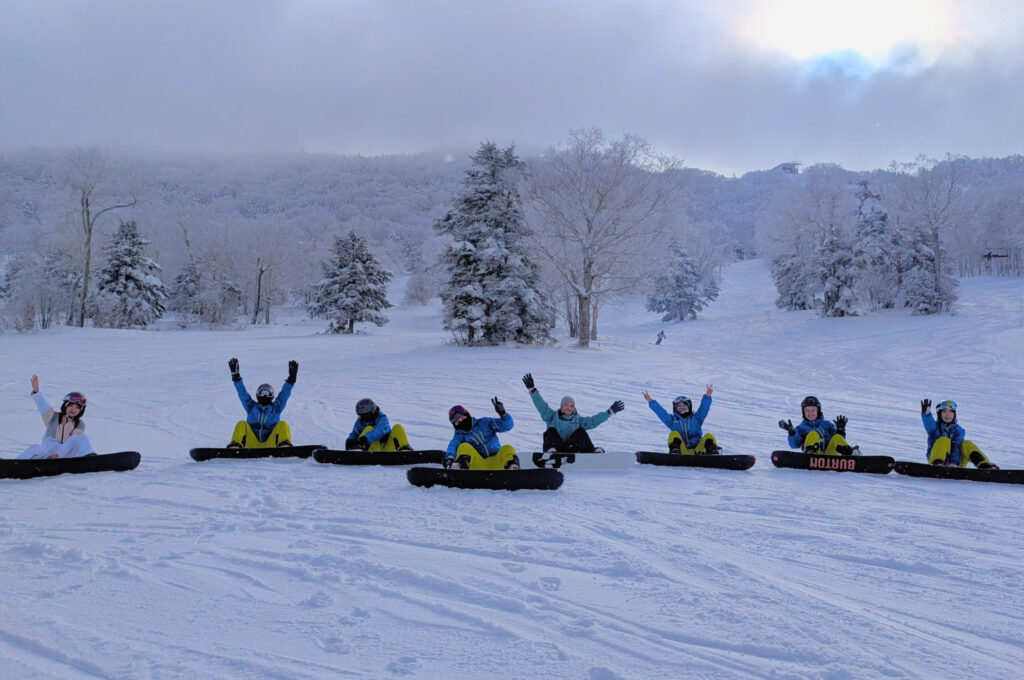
{"points": [[130, 292], [492, 293], [838, 275], [354, 287], [202, 292], [683, 291], [794, 281], [920, 289], [878, 250]]}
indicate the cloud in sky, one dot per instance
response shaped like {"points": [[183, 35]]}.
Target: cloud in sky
{"points": [[729, 86]]}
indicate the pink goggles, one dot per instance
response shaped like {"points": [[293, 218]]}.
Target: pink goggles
{"points": [[76, 398]]}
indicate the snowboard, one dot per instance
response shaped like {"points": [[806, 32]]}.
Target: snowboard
{"points": [[906, 467], [304, 451], [48, 467], [736, 461], [878, 465], [508, 480], [608, 460], [339, 457]]}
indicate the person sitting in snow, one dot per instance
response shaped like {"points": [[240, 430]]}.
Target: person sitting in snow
{"points": [[946, 443], [65, 430], [372, 431], [567, 429], [262, 427], [686, 435], [814, 434], [475, 444]]}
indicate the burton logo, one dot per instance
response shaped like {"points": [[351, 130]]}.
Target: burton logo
{"points": [[832, 463]]}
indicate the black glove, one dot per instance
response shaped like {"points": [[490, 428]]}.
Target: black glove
{"points": [[616, 406], [447, 462], [528, 381], [926, 405], [499, 408], [233, 365], [351, 444], [841, 425], [363, 443], [787, 425], [293, 371]]}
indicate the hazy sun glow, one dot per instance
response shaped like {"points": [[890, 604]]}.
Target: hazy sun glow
{"points": [[875, 30]]}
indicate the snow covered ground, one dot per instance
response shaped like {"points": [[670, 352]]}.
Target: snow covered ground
{"points": [[291, 569]]}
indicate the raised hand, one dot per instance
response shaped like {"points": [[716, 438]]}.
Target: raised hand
{"points": [[35, 384], [499, 408], [926, 405], [293, 370], [841, 424], [647, 396], [787, 425], [616, 406], [528, 381], [233, 366], [709, 391]]}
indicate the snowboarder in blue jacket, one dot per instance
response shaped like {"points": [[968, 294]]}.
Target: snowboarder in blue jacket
{"points": [[814, 434], [262, 427], [475, 444], [567, 429], [946, 443], [687, 435], [372, 431]]}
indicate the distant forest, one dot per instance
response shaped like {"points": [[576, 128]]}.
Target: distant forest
{"points": [[267, 223]]}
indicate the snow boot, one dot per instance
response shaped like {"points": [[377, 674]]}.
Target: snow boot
{"points": [[675, 448], [712, 449], [988, 466], [513, 464]]}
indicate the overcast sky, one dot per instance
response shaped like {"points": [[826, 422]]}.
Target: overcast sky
{"points": [[746, 85]]}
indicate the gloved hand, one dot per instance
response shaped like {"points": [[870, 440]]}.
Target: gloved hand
{"points": [[233, 365], [448, 461], [293, 371], [351, 444], [926, 405], [841, 425], [616, 406], [787, 425], [499, 408], [528, 381], [363, 443]]}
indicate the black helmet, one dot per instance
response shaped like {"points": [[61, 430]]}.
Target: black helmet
{"points": [[265, 394], [366, 409], [811, 401], [682, 400]]}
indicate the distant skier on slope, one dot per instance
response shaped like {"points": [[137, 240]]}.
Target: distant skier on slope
{"points": [[65, 430], [263, 427], [567, 429], [475, 443], [372, 431], [814, 434], [946, 443], [687, 435]]}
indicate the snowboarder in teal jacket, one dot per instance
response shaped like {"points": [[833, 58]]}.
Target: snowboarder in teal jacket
{"points": [[567, 429], [687, 435]]}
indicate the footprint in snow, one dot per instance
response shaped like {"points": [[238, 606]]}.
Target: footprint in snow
{"points": [[550, 583], [403, 665]]}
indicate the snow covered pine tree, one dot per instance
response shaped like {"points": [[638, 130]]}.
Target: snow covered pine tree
{"points": [[683, 290], [129, 292], [354, 287]]}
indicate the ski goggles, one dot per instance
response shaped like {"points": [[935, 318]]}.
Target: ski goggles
{"points": [[456, 414], [265, 391], [76, 398], [948, 404]]}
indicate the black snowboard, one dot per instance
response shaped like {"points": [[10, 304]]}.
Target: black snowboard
{"points": [[905, 467], [304, 451], [878, 465], [47, 467], [509, 480], [339, 457], [737, 461]]}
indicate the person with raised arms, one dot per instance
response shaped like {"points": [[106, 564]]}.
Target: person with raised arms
{"points": [[686, 425], [262, 427], [65, 430], [567, 429], [475, 444], [814, 434], [946, 438]]}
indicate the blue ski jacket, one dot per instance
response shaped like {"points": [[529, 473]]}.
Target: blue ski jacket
{"points": [[689, 426], [826, 429], [483, 436], [935, 429], [381, 428], [261, 418], [565, 425]]}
